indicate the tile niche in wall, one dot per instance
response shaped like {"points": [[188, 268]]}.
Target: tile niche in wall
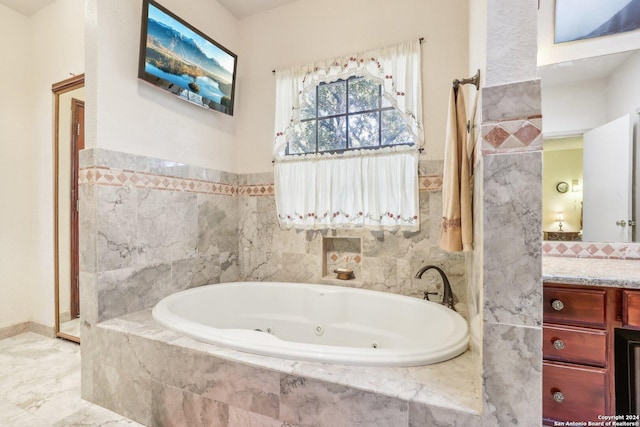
{"points": [[341, 252]]}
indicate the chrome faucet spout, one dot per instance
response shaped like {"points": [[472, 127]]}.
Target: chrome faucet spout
{"points": [[447, 293]]}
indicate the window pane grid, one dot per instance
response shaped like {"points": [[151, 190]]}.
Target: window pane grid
{"points": [[316, 120], [358, 117], [347, 134]]}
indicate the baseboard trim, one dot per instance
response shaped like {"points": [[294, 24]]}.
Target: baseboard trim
{"points": [[31, 326], [10, 331], [39, 328]]}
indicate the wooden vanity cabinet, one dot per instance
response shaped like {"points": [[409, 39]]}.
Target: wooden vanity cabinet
{"points": [[631, 309], [578, 362]]}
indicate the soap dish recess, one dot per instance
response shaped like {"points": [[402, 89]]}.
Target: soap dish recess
{"points": [[344, 273]]}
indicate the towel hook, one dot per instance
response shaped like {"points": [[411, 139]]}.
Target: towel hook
{"points": [[475, 80]]}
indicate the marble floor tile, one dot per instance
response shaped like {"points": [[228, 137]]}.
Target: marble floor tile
{"points": [[40, 385]]}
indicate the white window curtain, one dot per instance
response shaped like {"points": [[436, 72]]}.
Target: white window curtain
{"points": [[365, 188]]}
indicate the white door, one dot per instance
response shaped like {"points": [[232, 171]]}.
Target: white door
{"points": [[608, 165]]}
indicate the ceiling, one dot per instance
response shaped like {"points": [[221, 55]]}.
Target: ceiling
{"points": [[572, 71], [239, 8], [26, 7], [243, 8], [594, 68]]}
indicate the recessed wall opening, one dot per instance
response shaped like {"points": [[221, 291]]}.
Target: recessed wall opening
{"points": [[343, 253]]}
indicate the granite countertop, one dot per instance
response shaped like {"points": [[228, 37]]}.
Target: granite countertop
{"points": [[619, 273]]}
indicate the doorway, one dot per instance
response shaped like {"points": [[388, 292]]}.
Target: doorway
{"points": [[77, 144], [68, 141]]}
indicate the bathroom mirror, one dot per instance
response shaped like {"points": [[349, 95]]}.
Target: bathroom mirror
{"points": [[590, 110], [68, 140]]}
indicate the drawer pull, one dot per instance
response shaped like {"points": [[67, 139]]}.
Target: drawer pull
{"points": [[558, 344], [557, 304], [558, 396]]}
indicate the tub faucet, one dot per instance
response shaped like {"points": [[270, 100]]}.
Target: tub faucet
{"points": [[447, 293]]}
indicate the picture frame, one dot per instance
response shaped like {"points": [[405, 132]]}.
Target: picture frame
{"points": [[579, 19], [177, 57]]}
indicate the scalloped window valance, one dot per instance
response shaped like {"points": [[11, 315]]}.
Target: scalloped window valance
{"points": [[364, 187]]}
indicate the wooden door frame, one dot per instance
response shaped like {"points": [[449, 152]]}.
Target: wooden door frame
{"points": [[58, 89]]}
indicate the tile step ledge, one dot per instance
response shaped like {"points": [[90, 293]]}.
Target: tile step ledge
{"points": [[447, 386]]}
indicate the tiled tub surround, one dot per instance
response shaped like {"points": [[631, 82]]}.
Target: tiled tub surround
{"points": [[151, 227], [158, 377], [155, 227], [388, 260]]}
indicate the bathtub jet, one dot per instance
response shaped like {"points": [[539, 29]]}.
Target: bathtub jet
{"points": [[318, 323]]}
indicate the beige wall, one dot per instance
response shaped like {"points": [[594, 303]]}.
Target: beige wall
{"points": [[574, 107], [309, 30], [16, 173], [44, 49], [138, 118], [58, 52], [624, 88], [478, 38]]}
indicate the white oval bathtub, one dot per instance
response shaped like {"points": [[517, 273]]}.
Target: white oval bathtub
{"points": [[320, 323]]}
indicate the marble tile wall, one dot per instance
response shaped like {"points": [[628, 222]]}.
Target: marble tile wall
{"points": [[512, 240], [150, 228], [511, 216], [388, 261]]}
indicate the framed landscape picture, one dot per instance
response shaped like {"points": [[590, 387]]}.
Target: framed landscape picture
{"points": [[584, 19], [184, 61]]}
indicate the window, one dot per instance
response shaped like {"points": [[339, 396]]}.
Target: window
{"points": [[344, 115], [345, 138]]}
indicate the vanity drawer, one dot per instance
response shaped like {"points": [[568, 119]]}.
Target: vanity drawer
{"points": [[574, 306], [573, 344], [631, 308], [572, 392]]}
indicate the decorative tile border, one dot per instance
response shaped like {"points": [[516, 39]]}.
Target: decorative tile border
{"points": [[345, 257], [126, 178], [430, 183], [256, 190], [591, 250], [512, 136]]}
